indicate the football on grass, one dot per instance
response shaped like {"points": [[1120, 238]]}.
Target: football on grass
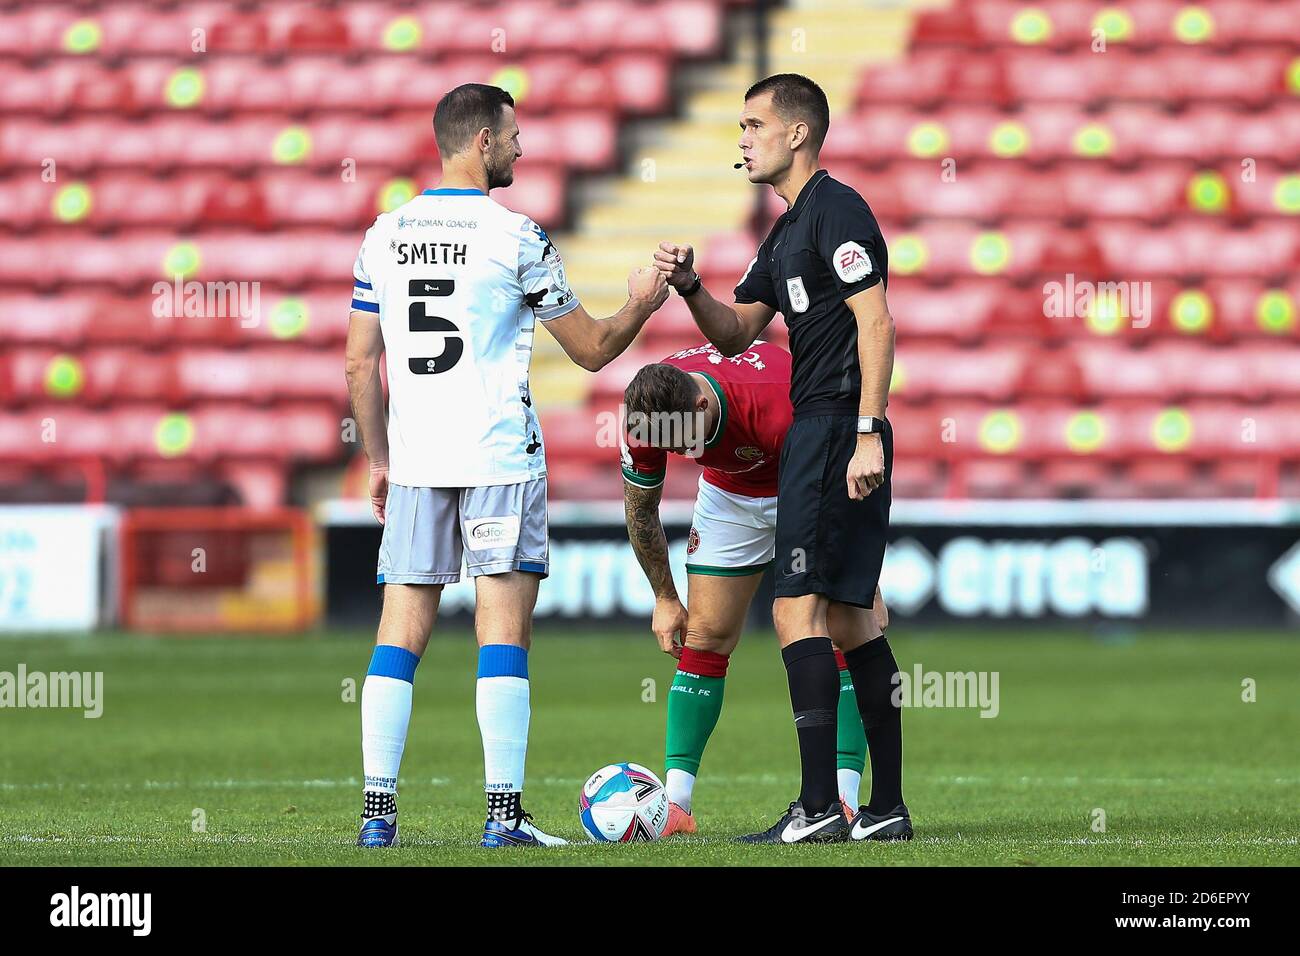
{"points": [[623, 803]]}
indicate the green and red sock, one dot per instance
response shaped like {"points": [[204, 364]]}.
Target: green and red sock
{"points": [[850, 738], [694, 704]]}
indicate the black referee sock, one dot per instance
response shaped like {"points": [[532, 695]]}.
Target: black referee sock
{"points": [[814, 696], [873, 668]]}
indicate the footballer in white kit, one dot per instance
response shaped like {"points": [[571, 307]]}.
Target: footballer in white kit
{"points": [[448, 290], [458, 283]]}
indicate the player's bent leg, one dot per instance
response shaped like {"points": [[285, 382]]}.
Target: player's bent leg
{"points": [[719, 603], [732, 542], [408, 616]]}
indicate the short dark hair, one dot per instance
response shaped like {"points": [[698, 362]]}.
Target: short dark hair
{"points": [[660, 388], [795, 98], [464, 111]]}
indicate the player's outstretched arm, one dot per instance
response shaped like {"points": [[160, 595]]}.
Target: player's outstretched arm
{"points": [[646, 532], [365, 348], [731, 328], [594, 343]]}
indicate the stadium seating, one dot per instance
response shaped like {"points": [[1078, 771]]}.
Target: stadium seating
{"points": [[248, 146], [1147, 24], [1124, 133], [112, 30], [1009, 158]]}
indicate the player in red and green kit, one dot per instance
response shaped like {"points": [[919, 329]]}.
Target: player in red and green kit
{"points": [[731, 415]]}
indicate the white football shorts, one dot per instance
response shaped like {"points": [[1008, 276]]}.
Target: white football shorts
{"points": [[731, 535], [496, 528]]}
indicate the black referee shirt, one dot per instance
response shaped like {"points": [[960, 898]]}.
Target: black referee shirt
{"points": [[826, 248]]}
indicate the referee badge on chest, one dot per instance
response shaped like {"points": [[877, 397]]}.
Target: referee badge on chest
{"points": [[798, 294]]}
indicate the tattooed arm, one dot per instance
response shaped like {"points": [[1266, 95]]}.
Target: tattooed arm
{"points": [[646, 532]]}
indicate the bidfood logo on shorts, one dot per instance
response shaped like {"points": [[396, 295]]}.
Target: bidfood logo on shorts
{"points": [[485, 534]]}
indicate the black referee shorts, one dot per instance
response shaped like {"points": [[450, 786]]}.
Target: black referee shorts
{"points": [[826, 543]]}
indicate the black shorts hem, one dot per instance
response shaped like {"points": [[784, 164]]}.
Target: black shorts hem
{"points": [[802, 589]]}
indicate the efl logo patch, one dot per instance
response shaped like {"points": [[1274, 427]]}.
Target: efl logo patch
{"points": [[484, 534], [798, 294], [852, 262], [556, 265]]}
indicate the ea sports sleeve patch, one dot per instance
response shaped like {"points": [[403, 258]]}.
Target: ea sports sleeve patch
{"points": [[851, 262], [849, 241]]}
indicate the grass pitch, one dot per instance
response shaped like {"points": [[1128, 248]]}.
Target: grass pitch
{"points": [[240, 751]]}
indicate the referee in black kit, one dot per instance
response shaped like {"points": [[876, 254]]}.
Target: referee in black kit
{"points": [[823, 266]]}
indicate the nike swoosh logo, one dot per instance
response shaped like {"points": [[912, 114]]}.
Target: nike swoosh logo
{"points": [[807, 831], [860, 832]]}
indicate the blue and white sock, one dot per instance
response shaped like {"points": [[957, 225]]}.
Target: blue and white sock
{"points": [[501, 700], [385, 716]]}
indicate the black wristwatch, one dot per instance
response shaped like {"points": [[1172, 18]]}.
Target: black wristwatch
{"points": [[695, 287], [870, 426]]}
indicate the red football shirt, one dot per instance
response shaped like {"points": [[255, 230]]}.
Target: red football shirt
{"points": [[742, 455]]}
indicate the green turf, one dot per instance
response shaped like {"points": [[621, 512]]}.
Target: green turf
{"points": [[256, 735]]}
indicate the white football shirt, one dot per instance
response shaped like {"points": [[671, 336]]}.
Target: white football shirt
{"points": [[457, 281]]}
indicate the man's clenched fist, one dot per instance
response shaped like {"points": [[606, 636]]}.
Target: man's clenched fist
{"points": [[677, 263], [646, 285]]}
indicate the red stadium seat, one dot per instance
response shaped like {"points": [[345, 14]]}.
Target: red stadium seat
{"points": [[931, 77], [1123, 133], [1250, 77], [286, 433], [965, 310], [590, 26], [1246, 478], [578, 140], [1076, 477], [1162, 477], [133, 260], [307, 27], [925, 371], [577, 480], [259, 374], [1007, 189], [575, 435], [997, 478], [1196, 249], [1070, 23], [918, 478]]}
